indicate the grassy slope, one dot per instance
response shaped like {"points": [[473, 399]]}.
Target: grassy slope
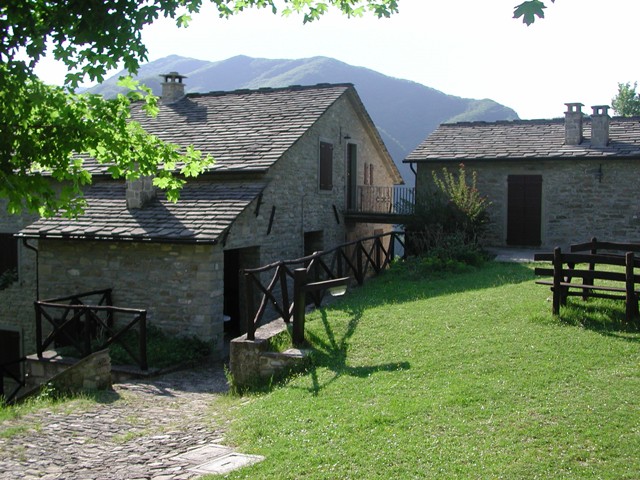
{"points": [[464, 377]]}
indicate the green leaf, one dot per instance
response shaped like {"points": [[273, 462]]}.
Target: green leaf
{"points": [[529, 10]]}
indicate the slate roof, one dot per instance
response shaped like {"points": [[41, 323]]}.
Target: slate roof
{"points": [[524, 139], [205, 210], [244, 130]]}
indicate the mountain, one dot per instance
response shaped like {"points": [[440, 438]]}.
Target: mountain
{"points": [[405, 112]]}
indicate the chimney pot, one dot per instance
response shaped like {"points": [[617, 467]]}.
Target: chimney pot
{"points": [[172, 87], [573, 124], [600, 126]]}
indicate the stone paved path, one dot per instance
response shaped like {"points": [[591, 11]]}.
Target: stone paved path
{"points": [[136, 435]]}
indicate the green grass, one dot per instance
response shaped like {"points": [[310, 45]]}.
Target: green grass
{"points": [[463, 376]]}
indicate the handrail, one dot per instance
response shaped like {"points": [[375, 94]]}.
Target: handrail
{"points": [[74, 314], [353, 259], [395, 199]]}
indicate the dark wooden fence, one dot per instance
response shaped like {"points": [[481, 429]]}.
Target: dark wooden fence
{"points": [[391, 200], [272, 284], [87, 328]]}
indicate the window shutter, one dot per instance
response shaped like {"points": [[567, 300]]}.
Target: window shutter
{"points": [[326, 166]]}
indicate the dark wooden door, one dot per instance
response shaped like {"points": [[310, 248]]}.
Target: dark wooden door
{"points": [[10, 351], [524, 210]]}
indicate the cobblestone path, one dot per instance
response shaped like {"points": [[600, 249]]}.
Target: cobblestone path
{"points": [[135, 434]]}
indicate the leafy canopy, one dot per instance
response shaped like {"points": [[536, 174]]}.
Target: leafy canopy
{"points": [[627, 102], [48, 132]]}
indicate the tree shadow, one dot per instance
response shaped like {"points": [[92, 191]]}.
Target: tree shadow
{"points": [[605, 318], [330, 352]]}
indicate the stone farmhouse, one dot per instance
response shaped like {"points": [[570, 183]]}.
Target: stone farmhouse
{"points": [[550, 182], [288, 162]]}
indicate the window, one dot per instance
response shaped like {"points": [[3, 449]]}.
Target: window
{"points": [[8, 252], [326, 166]]}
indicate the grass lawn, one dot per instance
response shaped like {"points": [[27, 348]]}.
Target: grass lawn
{"points": [[464, 376]]}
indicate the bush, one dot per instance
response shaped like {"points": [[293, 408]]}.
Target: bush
{"points": [[447, 227]]}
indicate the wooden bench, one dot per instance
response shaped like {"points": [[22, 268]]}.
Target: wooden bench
{"points": [[583, 267]]}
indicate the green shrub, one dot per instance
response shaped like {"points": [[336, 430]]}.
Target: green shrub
{"points": [[447, 226]]}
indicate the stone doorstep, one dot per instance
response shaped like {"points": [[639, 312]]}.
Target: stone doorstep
{"points": [[216, 459]]}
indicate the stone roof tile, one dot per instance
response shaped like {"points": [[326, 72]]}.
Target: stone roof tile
{"points": [[204, 212], [244, 130], [523, 139]]}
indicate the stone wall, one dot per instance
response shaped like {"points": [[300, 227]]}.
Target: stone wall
{"points": [[576, 203], [90, 373], [180, 285]]}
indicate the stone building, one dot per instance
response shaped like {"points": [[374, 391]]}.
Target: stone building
{"points": [[286, 160], [550, 182]]}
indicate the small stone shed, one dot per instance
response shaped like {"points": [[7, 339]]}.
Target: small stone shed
{"points": [[550, 182], [278, 190]]}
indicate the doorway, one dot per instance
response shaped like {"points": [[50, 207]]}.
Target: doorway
{"points": [[524, 210], [234, 261]]}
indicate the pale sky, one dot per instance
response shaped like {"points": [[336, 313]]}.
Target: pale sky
{"points": [[468, 48]]}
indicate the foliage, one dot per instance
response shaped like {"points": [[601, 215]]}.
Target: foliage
{"points": [[44, 128], [469, 376], [627, 102], [529, 10], [448, 224], [163, 351], [8, 277]]}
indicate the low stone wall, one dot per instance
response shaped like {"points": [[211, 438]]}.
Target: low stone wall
{"points": [[90, 373], [251, 361]]}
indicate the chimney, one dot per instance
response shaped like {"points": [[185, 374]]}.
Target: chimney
{"points": [[573, 124], [600, 126], [140, 192], [172, 87]]}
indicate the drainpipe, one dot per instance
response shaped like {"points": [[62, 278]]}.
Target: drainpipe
{"points": [[31, 247]]}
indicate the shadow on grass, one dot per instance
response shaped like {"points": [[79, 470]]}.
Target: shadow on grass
{"points": [[331, 353], [606, 317]]}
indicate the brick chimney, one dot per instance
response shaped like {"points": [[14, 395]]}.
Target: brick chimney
{"points": [[140, 192], [172, 87], [573, 124], [600, 126]]}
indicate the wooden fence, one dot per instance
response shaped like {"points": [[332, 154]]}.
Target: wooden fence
{"points": [[272, 284], [87, 328]]}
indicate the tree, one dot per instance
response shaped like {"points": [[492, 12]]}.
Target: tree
{"points": [[529, 10], [626, 103], [43, 128]]}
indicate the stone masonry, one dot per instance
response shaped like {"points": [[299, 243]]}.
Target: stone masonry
{"points": [[576, 204]]}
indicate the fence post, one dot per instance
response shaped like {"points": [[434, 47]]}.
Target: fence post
{"points": [[299, 282], [557, 279], [143, 340], [87, 330], [38, 329], [359, 253], [250, 320], [631, 309]]}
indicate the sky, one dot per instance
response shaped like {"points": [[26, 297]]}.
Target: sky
{"points": [[468, 48]]}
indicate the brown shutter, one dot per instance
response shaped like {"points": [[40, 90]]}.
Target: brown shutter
{"points": [[326, 166]]}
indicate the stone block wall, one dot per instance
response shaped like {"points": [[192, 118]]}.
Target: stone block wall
{"points": [[576, 203], [90, 373], [180, 285]]}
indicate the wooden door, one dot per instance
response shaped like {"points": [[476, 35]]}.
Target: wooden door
{"points": [[524, 210]]}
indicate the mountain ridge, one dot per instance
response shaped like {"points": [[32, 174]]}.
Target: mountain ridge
{"points": [[405, 112]]}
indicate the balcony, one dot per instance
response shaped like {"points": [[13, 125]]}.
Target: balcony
{"points": [[381, 204]]}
